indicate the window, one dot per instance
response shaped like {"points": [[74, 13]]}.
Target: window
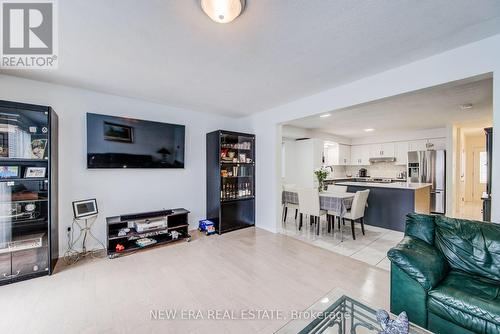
{"points": [[483, 167]]}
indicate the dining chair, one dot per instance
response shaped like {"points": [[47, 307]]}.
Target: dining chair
{"points": [[357, 211], [288, 205], [309, 205], [336, 188]]}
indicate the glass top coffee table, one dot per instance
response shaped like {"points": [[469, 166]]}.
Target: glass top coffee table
{"points": [[337, 313]]}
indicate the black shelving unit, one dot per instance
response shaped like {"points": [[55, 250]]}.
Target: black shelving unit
{"points": [[230, 180], [487, 196], [29, 244], [172, 220]]}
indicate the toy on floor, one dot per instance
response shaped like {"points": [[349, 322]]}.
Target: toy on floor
{"points": [[400, 325], [206, 226]]}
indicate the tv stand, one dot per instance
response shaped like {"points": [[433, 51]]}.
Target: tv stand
{"points": [[160, 226]]}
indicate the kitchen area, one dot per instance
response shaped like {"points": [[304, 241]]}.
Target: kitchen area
{"points": [[372, 164], [402, 176]]}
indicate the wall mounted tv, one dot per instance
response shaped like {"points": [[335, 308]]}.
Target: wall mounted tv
{"points": [[118, 142]]}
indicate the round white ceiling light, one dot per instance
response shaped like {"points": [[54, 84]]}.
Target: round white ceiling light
{"points": [[223, 11]]}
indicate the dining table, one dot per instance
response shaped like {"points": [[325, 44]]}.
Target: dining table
{"points": [[336, 201]]}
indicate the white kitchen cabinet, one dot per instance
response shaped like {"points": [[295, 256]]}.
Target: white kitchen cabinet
{"points": [[427, 144], [331, 155], [337, 154], [360, 155], [417, 145], [402, 148], [344, 155], [437, 143], [384, 150]]}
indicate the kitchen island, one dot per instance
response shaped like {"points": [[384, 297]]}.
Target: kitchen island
{"points": [[389, 203]]}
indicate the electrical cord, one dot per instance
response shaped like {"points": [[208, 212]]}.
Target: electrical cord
{"points": [[73, 255]]}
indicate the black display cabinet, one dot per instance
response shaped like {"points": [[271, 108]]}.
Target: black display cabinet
{"points": [[28, 191], [230, 180], [489, 155]]}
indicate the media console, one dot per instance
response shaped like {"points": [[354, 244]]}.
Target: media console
{"points": [[132, 232]]}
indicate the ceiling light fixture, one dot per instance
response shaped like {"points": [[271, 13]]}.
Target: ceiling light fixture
{"points": [[369, 130], [223, 11], [325, 115], [466, 106]]}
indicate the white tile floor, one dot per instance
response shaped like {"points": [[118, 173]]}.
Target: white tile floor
{"points": [[370, 248]]}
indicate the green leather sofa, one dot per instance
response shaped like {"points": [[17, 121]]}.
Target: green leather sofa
{"points": [[445, 274]]}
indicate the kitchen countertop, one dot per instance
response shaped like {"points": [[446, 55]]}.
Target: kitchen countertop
{"points": [[337, 178], [393, 185]]}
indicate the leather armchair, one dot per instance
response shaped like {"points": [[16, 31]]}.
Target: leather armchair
{"points": [[445, 274]]}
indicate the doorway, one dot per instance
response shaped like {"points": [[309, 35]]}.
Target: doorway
{"points": [[473, 171]]}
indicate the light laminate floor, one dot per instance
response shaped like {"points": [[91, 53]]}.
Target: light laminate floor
{"points": [[370, 248], [247, 269]]}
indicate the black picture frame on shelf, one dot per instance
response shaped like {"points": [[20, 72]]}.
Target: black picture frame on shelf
{"points": [[39, 148], [85, 208], [4, 145], [10, 172], [35, 172]]}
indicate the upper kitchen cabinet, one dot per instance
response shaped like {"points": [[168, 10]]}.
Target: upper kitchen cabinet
{"points": [[360, 155], [384, 150], [427, 144], [437, 144], [337, 154], [402, 152], [417, 145], [330, 154]]}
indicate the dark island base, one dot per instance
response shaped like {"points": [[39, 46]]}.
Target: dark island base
{"points": [[387, 207]]}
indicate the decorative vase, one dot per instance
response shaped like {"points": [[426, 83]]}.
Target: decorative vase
{"points": [[321, 187]]}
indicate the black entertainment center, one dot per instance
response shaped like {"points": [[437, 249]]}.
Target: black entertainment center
{"points": [[230, 180], [124, 233]]}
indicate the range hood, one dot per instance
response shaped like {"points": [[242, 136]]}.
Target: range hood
{"points": [[384, 159]]}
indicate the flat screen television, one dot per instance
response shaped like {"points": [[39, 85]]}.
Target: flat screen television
{"points": [[118, 142]]}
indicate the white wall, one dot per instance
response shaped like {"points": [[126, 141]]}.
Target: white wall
{"points": [[119, 191], [470, 60]]}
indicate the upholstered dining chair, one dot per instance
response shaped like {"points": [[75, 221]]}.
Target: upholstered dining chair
{"points": [[287, 205], [336, 188], [309, 205], [357, 211]]}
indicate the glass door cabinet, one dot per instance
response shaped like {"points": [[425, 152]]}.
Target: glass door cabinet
{"points": [[28, 191], [230, 180]]}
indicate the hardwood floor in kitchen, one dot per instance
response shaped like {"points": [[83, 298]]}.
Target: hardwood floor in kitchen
{"points": [[250, 269]]}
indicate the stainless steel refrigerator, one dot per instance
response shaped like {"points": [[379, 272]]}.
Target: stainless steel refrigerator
{"points": [[430, 167]]}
